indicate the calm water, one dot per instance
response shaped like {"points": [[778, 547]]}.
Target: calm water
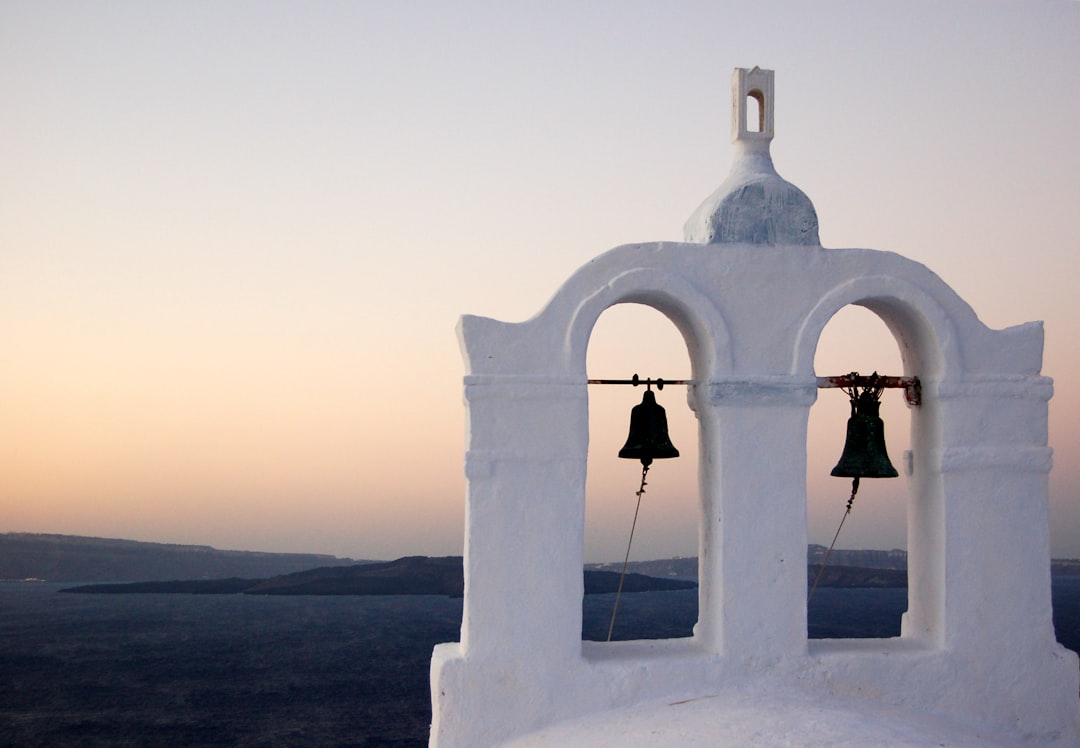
{"points": [[233, 670]]}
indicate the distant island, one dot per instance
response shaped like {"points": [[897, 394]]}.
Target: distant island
{"points": [[130, 566], [845, 569], [412, 575], [75, 558]]}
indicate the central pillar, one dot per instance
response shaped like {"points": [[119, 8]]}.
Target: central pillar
{"points": [[753, 566]]}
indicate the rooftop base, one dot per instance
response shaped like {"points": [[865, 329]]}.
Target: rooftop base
{"points": [[754, 719]]}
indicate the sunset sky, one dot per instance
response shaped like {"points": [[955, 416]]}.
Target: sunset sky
{"points": [[236, 237]]}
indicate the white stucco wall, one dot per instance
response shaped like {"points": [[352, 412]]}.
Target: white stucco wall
{"points": [[978, 641]]}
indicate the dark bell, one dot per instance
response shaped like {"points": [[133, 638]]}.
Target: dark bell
{"points": [[648, 439], [864, 453]]}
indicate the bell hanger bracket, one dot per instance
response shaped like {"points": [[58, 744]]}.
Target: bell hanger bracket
{"points": [[911, 385]]}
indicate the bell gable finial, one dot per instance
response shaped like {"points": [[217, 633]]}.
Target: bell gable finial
{"points": [[754, 205], [752, 105]]}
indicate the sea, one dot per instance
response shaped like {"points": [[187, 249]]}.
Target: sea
{"points": [[238, 670]]}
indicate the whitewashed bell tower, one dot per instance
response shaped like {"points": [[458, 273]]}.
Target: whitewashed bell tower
{"points": [[977, 662]]}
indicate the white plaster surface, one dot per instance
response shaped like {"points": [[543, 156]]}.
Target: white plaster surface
{"points": [[977, 659], [746, 719]]}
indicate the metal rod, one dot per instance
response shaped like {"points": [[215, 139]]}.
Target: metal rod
{"points": [[863, 380], [911, 385], [638, 380]]}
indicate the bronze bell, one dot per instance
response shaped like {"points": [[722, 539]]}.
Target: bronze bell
{"points": [[648, 439], [864, 454]]}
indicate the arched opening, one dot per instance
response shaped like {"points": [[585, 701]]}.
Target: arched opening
{"points": [[755, 111], [863, 592], [633, 339]]}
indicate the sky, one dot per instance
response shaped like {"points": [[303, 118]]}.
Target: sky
{"points": [[236, 238]]}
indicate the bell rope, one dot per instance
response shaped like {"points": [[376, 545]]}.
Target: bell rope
{"points": [[626, 560]]}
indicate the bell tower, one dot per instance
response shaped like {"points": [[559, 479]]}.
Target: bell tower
{"points": [[751, 290]]}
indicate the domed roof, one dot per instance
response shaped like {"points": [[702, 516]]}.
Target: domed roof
{"points": [[754, 205]]}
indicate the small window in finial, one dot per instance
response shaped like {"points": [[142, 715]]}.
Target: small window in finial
{"points": [[755, 111]]}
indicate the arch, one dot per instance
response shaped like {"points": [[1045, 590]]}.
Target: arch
{"points": [[855, 338], [921, 326], [697, 318], [926, 336], [667, 521], [705, 333], [755, 115]]}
